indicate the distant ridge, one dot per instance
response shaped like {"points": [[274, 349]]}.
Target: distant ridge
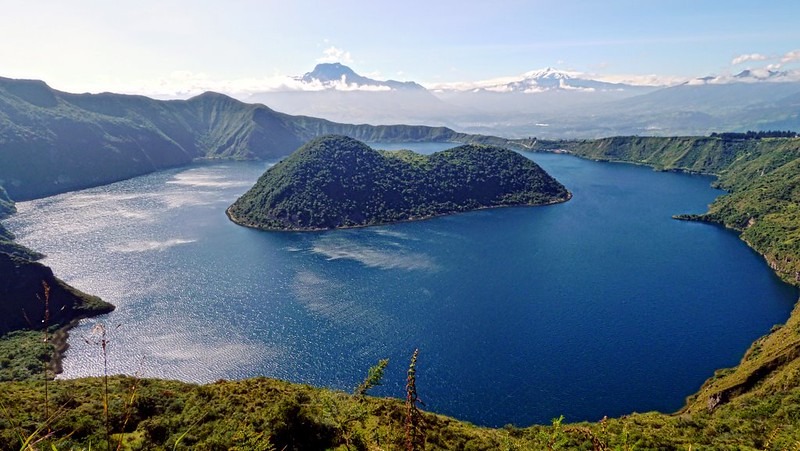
{"points": [[52, 141]]}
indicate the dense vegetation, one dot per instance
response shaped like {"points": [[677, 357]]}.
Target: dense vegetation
{"points": [[32, 297], [762, 177], [336, 181], [756, 134], [266, 414]]}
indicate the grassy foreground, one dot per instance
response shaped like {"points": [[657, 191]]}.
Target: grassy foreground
{"points": [[755, 406], [260, 413]]}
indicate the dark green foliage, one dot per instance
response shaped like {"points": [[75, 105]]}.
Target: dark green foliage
{"points": [[336, 181], [762, 175], [23, 355], [22, 297], [6, 204], [12, 248], [757, 135]]}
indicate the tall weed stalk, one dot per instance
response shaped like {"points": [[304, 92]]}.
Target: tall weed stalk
{"points": [[414, 431]]}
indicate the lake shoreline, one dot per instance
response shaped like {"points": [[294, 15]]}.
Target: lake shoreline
{"points": [[239, 222], [228, 218]]}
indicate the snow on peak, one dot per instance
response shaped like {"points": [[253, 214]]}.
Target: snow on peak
{"points": [[550, 73]]}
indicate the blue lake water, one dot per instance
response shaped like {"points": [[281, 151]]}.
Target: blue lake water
{"points": [[603, 305]]}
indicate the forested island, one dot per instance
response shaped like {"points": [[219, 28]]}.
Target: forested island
{"points": [[337, 181]]}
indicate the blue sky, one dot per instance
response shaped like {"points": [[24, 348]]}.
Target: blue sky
{"points": [[97, 45]]}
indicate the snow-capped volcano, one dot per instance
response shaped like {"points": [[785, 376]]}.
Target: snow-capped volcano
{"points": [[338, 76], [543, 80]]}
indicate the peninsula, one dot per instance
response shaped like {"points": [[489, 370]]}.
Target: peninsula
{"points": [[338, 182]]}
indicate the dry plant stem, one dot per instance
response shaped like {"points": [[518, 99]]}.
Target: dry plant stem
{"points": [[413, 417], [100, 330], [103, 343], [46, 288]]}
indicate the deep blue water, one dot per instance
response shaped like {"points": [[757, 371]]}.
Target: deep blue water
{"points": [[603, 305]]}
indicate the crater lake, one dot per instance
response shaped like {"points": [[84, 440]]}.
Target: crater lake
{"points": [[603, 305]]}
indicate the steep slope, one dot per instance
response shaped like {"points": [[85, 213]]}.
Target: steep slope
{"points": [[52, 142], [7, 243], [6, 204], [762, 177], [48, 144], [336, 181], [22, 297]]}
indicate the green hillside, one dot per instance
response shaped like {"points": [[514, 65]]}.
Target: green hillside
{"points": [[52, 141], [336, 181], [755, 406], [23, 299], [762, 177]]}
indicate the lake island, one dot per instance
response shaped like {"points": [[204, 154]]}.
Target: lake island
{"points": [[339, 182]]}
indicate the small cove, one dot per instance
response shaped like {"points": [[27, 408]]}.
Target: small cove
{"points": [[603, 305]]}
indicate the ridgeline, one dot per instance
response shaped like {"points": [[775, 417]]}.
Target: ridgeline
{"points": [[25, 302], [762, 177], [52, 141], [336, 181]]}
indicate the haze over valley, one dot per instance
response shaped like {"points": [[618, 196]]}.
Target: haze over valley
{"points": [[549, 103]]}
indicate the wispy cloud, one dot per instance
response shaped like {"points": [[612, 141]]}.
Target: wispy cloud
{"points": [[184, 84], [794, 55], [335, 55], [749, 57], [642, 80]]}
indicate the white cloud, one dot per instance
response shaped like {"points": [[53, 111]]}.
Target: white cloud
{"points": [[562, 84], [494, 84], [641, 80], [343, 85], [184, 84], [748, 57], [335, 55], [758, 75], [794, 55]]}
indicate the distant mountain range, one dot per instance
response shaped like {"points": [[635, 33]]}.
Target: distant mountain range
{"points": [[546, 80], [336, 92], [551, 103]]}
